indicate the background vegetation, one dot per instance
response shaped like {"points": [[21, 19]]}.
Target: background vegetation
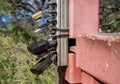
{"points": [[15, 60], [110, 16]]}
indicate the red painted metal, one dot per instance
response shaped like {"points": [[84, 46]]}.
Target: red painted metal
{"points": [[83, 17], [99, 55], [73, 74], [96, 54], [87, 79]]}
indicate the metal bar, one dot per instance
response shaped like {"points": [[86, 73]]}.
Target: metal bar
{"points": [[58, 26], [62, 23], [62, 46]]}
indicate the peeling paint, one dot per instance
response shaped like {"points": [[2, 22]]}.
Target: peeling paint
{"points": [[109, 43], [109, 37], [107, 65], [116, 51], [80, 35]]}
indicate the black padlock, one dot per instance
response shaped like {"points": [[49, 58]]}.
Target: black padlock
{"points": [[41, 46], [43, 64], [45, 52]]}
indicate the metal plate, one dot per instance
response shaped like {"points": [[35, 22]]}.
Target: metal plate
{"points": [[99, 55]]}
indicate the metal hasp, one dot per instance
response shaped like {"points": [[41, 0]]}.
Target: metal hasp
{"points": [[96, 57], [62, 24]]}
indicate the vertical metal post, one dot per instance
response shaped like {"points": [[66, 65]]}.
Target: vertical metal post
{"points": [[58, 26], [62, 46], [62, 23]]}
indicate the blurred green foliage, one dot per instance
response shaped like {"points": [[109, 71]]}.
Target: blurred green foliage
{"points": [[15, 62], [22, 33], [110, 16]]}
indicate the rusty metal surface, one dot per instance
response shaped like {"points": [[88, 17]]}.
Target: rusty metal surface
{"points": [[83, 17], [99, 55]]}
